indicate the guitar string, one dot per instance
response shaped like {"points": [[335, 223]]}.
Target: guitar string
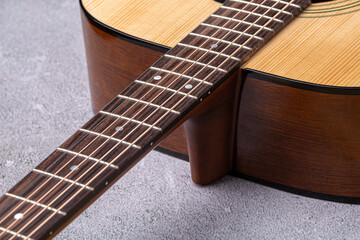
{"points": [[269, 21], [274, 16], [77, 155]]}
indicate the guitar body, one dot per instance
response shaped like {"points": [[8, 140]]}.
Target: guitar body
{"points": [[290, 118]]}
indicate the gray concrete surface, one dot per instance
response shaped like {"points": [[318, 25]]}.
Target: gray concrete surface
{"points": [[44, 98]]}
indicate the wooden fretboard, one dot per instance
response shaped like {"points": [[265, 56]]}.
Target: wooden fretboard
{"points": [[132, 124]]}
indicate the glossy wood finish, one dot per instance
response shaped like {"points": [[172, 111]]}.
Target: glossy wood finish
{"points": [[301, 138]]}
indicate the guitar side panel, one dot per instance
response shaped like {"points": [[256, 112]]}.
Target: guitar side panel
{"points": [[302, 136]]}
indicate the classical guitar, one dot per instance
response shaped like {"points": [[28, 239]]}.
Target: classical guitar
{"points": [[187, 83]]}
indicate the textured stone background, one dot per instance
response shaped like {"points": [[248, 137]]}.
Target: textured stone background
{"points": [[44, 98]]}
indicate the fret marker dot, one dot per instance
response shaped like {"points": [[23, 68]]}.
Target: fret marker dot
{"points": [[119, 128], [157, 77], [18, 216], [188, 86], [106, 183], [214, 45], [151, 143], [74, 168]]}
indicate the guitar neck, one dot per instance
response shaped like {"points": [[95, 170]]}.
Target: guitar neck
{"points": [[136, 120]]}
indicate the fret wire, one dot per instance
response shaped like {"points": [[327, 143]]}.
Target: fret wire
{"points": [[263, 6], [111, 138], [255, 14], [129, 119], [149, 103], [162, 87], [231, 30], [263, 27], [64, 179], [15, 233], [85, 156], [178, 102], [204, 49], [36, 203], [286, 3], [195, 62], [220, 40], [240, 21], [181, 75]]}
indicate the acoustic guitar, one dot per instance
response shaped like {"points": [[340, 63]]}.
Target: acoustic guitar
{"points": [[188, 84], [293, 123]]}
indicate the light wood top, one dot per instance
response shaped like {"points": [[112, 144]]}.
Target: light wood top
{"points": [[322, 46], [165, 22]]}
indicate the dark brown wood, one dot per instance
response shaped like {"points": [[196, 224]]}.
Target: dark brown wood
{"points": [[300, 138]]}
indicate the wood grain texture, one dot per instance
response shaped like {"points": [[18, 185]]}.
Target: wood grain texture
{"points": [[153, 20], [326, 51], [304, 139]]}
